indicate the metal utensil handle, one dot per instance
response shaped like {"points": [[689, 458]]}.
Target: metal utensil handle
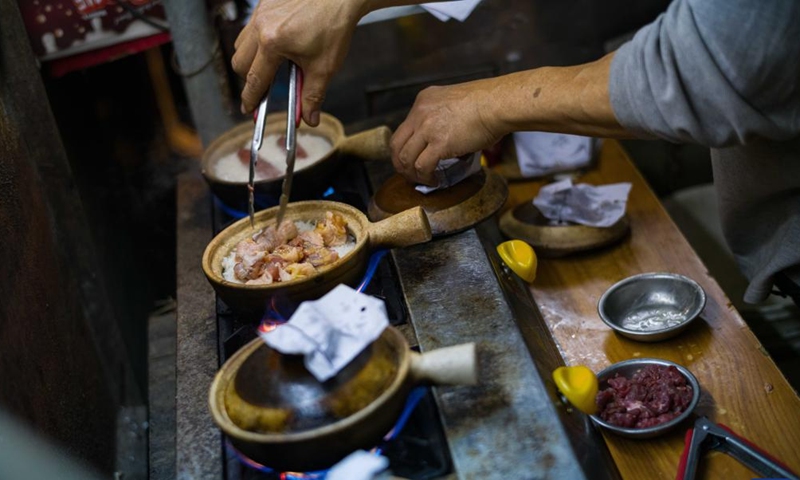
{"points": [[291, 138], [752, 456], [255, 146]]}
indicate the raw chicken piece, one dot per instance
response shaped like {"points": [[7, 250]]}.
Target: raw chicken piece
{"points": [[250, 260], [308, 239], [267, 239], [297, 270], [333, 229], [281, 254], [288, 253], [286, 231], [265, 279], [319, 256]]}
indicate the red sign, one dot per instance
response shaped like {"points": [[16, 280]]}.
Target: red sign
{"points": [[59, 28]]}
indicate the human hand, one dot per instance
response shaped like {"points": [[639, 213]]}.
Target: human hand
{"points": [[314, 34], [445, 122]]}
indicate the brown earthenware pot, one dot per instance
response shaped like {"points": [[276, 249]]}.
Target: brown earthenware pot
{"points": [[406, 228], [264, 383], [450, 210], [310, 178], [551, 240]]}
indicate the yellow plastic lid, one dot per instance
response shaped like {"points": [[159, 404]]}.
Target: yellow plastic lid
{"points": [[579, 385], [520, 258]]}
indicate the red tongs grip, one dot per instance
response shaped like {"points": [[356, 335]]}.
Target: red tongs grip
{"points": [[299, 112], [709, 435]]}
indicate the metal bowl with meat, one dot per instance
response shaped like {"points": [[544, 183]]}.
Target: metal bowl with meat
{"points": [[645, 397], [319, 245]]}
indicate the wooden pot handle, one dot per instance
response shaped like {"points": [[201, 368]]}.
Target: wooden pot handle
{"points": [[457, 365], [368, 145], [408, 227]]}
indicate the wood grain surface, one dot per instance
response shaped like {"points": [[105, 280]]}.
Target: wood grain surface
{"points": [[741, 386]]}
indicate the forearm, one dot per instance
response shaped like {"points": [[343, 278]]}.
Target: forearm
{"points": [[571, 99]]}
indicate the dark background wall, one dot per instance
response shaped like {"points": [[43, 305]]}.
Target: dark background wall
{"points": [[64, 369]]}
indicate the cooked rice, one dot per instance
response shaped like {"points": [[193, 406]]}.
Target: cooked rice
{"points": [[231, 169]]}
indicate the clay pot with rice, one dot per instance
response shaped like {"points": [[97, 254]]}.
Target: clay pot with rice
{"points": [[225, 163], [406, 228]]}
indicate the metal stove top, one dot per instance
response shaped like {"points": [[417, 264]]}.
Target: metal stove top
{"points": [[449, 291]]}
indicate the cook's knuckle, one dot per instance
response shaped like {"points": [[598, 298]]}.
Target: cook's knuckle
{"points": [[267, 37], [236, 64], [315, 96], [395, 145], [432, 133], [403, 158]]}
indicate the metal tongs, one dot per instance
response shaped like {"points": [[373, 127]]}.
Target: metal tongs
{"points": [[292, 122], [708, 435]]}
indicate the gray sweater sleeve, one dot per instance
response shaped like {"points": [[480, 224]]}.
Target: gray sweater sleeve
{"points": [[713, 72]]}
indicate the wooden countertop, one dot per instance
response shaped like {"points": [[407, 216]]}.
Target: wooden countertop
{"points": [[741, 386]]}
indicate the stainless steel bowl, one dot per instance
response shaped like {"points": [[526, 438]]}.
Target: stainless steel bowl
{"points": [[651, 306], [626, 369]]}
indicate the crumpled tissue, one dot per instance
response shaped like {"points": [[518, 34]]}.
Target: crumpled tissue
{"points": [[544, 153], [452, 171], [595, 206], [330, 332], [444, 11], [359, 465]]}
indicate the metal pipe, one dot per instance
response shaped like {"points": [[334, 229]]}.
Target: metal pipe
{"points": [[197, 51]]}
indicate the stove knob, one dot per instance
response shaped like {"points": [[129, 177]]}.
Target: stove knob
{"points": [[520, 258], [579, 385]]}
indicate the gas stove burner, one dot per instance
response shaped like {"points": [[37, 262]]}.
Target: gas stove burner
{"points": [[449, 210], [411, 403]]}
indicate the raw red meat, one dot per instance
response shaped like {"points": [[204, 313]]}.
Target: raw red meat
{"points": [[264, 169], [653, 395], [300, 152]]}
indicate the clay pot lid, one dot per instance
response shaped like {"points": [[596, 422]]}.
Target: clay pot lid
{"points": [[274, 393], [450, 210], [550, 239]]}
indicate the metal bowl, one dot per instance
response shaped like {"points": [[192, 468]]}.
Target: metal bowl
{"points": [[626, 369], [651, 306]]}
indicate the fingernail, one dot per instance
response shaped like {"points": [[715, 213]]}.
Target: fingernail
{"points": [[315, 118], [243, 110]]}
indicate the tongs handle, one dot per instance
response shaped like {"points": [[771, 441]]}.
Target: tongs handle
{"points": [[259, 118], [687, 466], [298, 113], [723, 439], [295, 113]]}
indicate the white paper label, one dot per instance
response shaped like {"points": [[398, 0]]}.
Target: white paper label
{"points": [[332, 331], [600, 206]]}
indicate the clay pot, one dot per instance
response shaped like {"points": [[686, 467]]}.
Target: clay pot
{"points": [[272, 391], [406, 228], [311, 178]]}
